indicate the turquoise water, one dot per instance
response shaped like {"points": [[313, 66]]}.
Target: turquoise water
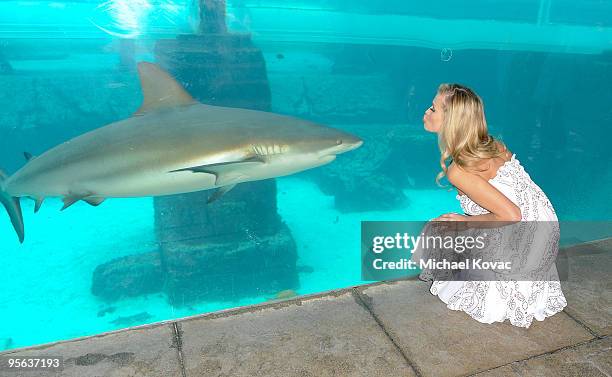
{"points": [[69, 67], [46, 295]]}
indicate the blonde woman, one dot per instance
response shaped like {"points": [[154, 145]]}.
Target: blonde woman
{"points": [[492, 186]]}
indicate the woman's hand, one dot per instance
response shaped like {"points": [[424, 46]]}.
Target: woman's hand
{"points": [[451, 217]]}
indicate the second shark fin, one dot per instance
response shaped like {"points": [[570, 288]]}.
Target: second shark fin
{"points": [[94, 201], [28, 156], [219, 193], [70, 200], [38, 203]]}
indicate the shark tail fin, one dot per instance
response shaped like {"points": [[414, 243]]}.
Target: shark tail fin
{"points": [[13, 208]]}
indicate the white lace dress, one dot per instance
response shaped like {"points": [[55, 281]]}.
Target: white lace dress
{"points": [[518, 301]]}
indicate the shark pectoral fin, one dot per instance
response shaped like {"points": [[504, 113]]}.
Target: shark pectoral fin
{"points": [[225, 179], [94, 201], [223, 175], [160, 90], [227, 173], [219, 193]]}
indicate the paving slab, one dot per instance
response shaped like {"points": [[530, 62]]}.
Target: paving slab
{"points": [[593, 359], [505, 371], [139, 352], [588, 288], [327, 336], [434, 338]]}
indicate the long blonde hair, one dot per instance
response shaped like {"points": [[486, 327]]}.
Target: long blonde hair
{"points": [[463, 137]]}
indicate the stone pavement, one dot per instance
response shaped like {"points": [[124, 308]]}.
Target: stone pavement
{"points": [[382, 329]]}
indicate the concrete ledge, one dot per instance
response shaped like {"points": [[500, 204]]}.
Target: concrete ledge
{"points": [[588, 288], [592, 358], [150, 352], [318, 338], [435, 337], [381, 329]]}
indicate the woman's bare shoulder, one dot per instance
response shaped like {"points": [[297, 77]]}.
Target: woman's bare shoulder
{"points": [[485, 169], [455, 171]]}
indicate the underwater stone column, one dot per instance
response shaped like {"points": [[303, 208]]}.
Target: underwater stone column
{"points": [[212, 16], [236, 246]]}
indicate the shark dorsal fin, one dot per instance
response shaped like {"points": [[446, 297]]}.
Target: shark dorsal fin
{"points": [[160, 90]]}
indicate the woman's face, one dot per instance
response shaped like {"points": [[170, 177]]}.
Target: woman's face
{"points": [[433, 118]]}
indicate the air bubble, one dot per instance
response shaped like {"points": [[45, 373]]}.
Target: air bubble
{"points": [[446, 54]]}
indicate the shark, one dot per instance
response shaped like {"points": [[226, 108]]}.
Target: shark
{"points": [[172, 144]]}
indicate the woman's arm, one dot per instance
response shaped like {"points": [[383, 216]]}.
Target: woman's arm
{"points": [[485, 195]]}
